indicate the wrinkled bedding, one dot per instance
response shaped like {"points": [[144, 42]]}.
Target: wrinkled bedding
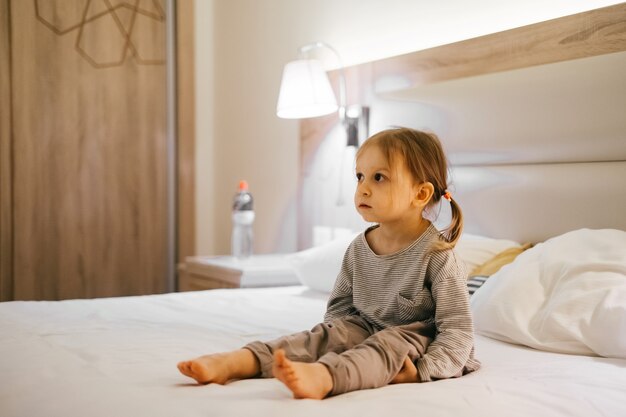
{"points": [[118, 356]]}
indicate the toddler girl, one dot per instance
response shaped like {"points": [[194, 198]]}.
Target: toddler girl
{"points": [[399, 310]]}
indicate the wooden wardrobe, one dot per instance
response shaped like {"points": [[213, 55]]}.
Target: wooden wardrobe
{"points": [[88, 140]]}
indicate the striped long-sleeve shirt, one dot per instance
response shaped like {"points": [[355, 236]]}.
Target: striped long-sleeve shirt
{"points": [[414, 284]]}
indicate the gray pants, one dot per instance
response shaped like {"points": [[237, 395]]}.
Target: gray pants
{"points": [[357, 356]]}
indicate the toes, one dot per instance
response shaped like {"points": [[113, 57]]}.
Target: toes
{"points": [[280, 358], [183, 367], [197, 372]]}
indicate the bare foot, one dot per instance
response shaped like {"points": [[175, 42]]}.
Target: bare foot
{"points": [[305, 380], [221, 367], [408, 373]]}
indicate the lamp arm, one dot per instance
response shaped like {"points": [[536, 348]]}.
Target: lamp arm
{"points": [[342, 74]]}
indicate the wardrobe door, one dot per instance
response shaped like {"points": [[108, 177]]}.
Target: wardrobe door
{"points": [[89, 152], [6, 225]]}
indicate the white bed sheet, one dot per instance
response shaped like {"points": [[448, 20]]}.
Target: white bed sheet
{"points": [[117, 357]]}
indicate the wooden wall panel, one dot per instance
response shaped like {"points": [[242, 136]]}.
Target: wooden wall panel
{"points": [[89, 139], [596, 32], [6, 235]]}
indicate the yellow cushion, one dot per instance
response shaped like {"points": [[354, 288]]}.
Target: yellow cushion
{"points": [[494, 264]]}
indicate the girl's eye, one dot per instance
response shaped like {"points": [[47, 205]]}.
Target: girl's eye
{"points": [[378, 177], [359, 176]]}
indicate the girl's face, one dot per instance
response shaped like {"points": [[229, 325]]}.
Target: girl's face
{"points": [[384, 193]]}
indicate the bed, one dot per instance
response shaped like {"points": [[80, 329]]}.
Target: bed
{"points": [[118, 356], [550, 319]]}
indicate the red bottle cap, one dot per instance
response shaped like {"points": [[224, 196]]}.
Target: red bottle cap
{"points": [[243, 185]]}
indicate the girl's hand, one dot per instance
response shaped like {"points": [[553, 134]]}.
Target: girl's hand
{"points": [[408, 373]]}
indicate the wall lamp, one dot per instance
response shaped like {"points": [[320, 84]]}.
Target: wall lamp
{"points": [[305, 91]]}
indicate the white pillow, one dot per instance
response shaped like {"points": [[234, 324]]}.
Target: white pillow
{"points": [[475, 250], [565, 295], [318, 267]]}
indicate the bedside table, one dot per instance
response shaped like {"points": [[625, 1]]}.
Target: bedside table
{"points": [[212, 272]]}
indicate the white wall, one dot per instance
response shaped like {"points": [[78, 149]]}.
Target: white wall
{"points": [[205, 149], [242, 46]]}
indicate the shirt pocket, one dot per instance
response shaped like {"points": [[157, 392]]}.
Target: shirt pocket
{"points": [[419, 308]]}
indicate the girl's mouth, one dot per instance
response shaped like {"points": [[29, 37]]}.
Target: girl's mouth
{"points": [[364, 206]]}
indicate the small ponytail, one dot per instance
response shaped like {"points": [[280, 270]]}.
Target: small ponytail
{"points": [[452, 233]]}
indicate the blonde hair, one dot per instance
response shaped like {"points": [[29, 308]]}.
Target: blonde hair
{"points": [[423, 155]]}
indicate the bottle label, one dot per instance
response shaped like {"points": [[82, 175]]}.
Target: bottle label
{"points": [[243, 217], [243, 201]]}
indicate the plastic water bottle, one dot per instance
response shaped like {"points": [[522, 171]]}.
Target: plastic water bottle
{"points": [[243, 217]]}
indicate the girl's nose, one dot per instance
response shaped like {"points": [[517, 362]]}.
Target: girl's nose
{"points": [[363, 190]]}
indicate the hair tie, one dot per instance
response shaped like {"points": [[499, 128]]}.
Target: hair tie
{"points": [[447, 195]]}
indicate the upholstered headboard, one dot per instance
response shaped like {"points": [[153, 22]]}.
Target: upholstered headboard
{"points": [[533, 121]]}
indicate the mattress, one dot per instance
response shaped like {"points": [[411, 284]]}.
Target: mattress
{"points": [[118, 356]]}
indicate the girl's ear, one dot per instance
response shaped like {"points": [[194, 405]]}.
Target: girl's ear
{"points": [[424, 193]]}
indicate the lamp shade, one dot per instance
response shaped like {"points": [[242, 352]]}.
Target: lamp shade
{"points": [[305, 91]]}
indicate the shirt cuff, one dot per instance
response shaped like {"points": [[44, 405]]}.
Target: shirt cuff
{"points": [[422, 370]]}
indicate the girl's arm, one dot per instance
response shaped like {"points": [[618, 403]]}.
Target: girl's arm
{"points": [[452, 347], [340, 302]]}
